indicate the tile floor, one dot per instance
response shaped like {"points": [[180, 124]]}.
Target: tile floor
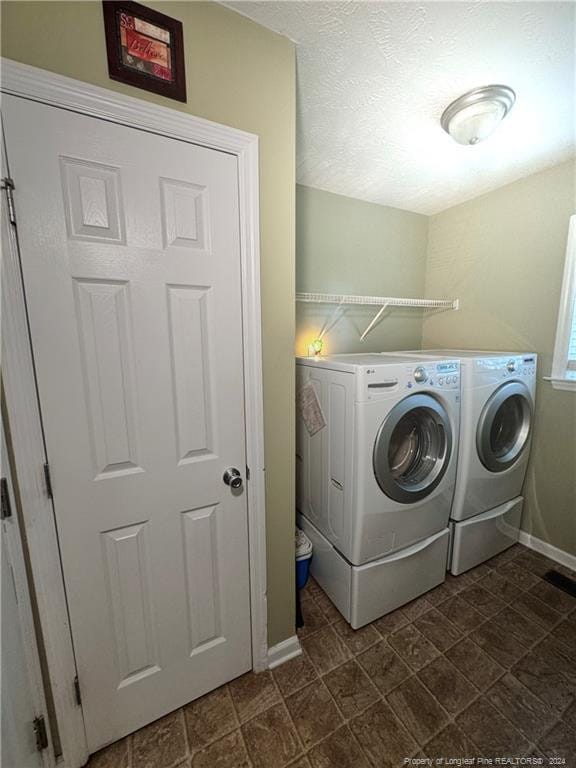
{"points": [[484, 665]]}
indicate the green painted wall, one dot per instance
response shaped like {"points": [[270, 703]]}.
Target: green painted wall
{"points": [[243, 75], [345, 245], [502, 255]]}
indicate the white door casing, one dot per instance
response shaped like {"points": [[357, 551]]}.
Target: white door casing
{"points": [[130, 248], [22, 692]]}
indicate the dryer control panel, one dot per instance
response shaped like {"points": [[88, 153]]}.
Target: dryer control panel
{"points": [[509, 366]]}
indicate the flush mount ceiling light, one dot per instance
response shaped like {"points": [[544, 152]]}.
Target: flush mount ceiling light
{"points": [[476, 115]]}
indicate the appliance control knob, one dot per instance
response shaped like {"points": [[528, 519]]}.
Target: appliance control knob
{"points": [[420, 375], [511, 366], [441, 380]]}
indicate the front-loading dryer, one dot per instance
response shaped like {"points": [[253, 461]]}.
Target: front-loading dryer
{"points": [[497, 413], [375, 484]]}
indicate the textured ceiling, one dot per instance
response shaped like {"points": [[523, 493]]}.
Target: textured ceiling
{"points": [[374, 78]]}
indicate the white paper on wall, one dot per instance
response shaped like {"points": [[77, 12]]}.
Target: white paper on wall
{"points": [[310, 410]]}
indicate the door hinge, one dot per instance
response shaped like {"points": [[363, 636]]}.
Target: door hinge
{"points": [[8, 185], [5, 497], [77, 693], [48, 480], [247, 472], [40, 733]]}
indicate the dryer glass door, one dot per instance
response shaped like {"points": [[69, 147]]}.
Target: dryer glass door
{"points": [[412, 448], [504, 426]]}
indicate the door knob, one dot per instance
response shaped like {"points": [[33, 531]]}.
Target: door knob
{"points": [[233, 478]]}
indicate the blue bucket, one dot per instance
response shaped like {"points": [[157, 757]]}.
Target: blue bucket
{"points": [[303, 571], [303, 558]]}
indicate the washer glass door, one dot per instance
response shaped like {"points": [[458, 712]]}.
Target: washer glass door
{"points": [[412, 449], [504, 426]]}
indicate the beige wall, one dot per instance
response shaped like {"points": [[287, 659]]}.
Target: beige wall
{"points": [[240, 74], [345, 245], [502, 255]]}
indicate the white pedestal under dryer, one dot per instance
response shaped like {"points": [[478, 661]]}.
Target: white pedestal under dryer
{"points": [[375, 485], [497, 413]]}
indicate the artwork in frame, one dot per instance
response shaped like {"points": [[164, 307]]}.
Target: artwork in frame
{"points": [[145, 48]]}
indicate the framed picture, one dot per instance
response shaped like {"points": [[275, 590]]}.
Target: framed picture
{"points": [[145, 48]]}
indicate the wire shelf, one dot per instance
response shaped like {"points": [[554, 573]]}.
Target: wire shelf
{"points": [[391, 301], [342, 300]]}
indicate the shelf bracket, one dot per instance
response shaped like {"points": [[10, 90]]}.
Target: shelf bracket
{"points": [[375, 319], [331, 320]]}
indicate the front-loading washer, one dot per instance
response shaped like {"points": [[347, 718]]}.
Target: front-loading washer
{"points": [[497, 413], [375, 484]]}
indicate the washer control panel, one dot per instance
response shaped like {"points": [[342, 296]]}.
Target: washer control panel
{"points": [[444, 374]]}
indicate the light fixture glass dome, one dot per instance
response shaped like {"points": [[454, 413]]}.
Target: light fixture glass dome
{"points": [[476, 115]]}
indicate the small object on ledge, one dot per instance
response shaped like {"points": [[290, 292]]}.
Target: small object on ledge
{"points": [[315, 349]]}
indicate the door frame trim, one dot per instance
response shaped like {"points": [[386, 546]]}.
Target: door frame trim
{"points": [[39, 85], [14, 553]]}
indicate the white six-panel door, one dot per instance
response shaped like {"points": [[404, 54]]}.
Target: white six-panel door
{"points": [[130, 254]]}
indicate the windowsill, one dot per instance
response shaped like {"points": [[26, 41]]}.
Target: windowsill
{"points": [[566, 384]]}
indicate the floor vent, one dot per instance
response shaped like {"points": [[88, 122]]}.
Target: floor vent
{"points": [[564, 583]]}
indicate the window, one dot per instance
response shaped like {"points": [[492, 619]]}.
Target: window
{"points": [[564, 363]]}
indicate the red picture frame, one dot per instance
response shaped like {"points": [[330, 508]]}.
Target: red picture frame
{"points": [[145, 48]]}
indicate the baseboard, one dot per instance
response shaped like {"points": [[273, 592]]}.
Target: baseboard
{"points": [[558, 555], [284, 651]]}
